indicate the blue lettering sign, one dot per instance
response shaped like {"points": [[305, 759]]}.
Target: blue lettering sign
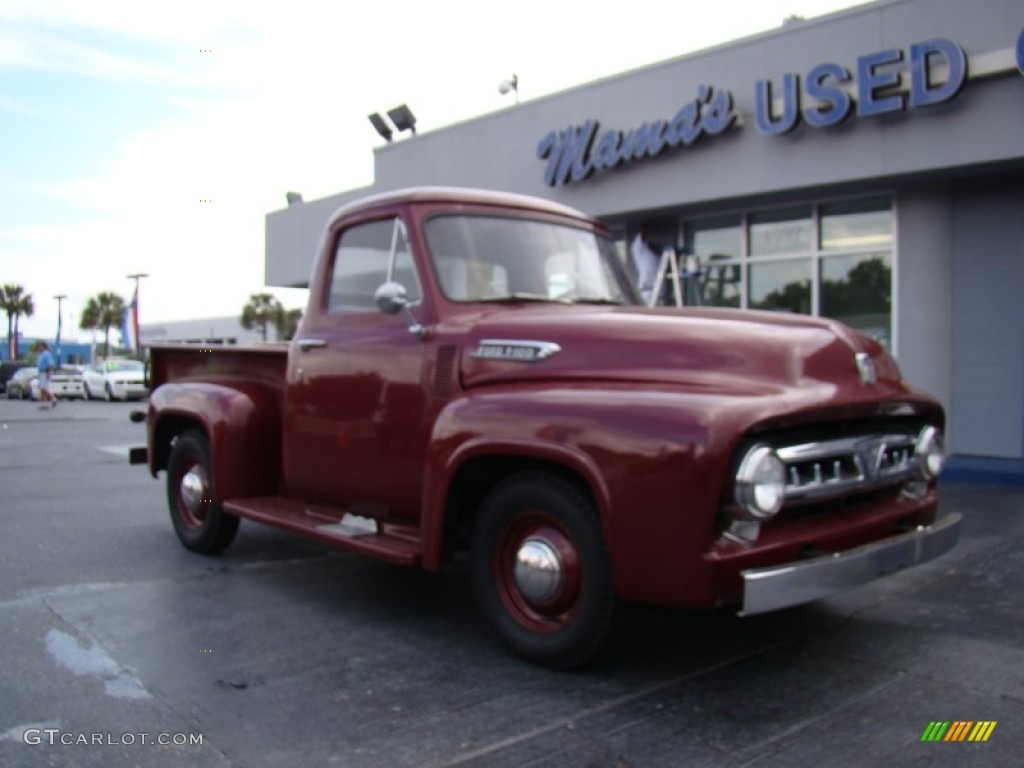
{"points": [[684, 127], [606, 154], [870, 80], [922, 91], [1020, 52], [573, 155], [716, 115], [834, 103], [568, 153], [767, 123]]}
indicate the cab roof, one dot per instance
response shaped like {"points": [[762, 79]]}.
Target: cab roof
{"points": [[463, 195]]}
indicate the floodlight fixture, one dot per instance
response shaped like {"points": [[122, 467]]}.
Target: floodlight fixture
{"points": [[511, 84], [382, 126], [403, 118]]}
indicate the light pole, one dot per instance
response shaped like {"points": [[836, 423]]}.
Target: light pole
{"points": [[133, 309], [60, 298]]}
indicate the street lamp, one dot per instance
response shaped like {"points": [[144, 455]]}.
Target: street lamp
{"points": [[60, 298]]}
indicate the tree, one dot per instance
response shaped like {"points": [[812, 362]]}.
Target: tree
{"points": [[15, 302], [104, 310], [292, 318], [262, 310]]}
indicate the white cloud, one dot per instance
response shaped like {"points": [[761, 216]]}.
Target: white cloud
{"points": [[280, 103]]}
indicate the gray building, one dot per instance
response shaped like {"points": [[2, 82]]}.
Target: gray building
{"points": [[865, 165], [210, 330]]}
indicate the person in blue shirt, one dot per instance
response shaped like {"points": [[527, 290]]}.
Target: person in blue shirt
{"points": [[45, 365]]}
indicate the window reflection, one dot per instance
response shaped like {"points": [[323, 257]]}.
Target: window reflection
{"points": [[781, 286], [846, 246], [789, 230], [857, 289], [718, 242], [722, 285], [856, 224]]}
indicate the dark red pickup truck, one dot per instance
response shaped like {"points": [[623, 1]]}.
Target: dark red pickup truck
{"points": [[475, 372]]}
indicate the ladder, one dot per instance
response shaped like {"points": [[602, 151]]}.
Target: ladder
{"points": [[668, 269]]}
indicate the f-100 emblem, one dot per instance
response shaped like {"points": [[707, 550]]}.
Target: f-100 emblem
{"points": [[515, 350]]}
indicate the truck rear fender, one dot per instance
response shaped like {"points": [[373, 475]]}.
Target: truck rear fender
{"points": [[241, 422]]}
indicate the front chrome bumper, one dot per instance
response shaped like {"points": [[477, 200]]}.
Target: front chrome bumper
{"points": [[780, 586]]}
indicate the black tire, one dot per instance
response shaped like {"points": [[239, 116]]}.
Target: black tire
{"points": [[570, 624], [200, 523]]}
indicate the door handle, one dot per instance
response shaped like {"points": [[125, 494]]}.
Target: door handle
{"points": [[307, 344]]}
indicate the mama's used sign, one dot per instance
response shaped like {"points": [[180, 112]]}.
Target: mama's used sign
{"points": [[888, 81]]}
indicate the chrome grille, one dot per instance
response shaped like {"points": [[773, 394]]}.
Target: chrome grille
{"points": [[829, 469]]}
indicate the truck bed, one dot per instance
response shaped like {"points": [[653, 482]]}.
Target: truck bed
{"points": [[262, 364]]}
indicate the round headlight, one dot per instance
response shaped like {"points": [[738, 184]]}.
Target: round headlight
{"points": [[930, 453], [761, 483]]}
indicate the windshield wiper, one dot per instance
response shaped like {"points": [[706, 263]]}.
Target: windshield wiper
{"points": [[596, 300], [514, 297]]}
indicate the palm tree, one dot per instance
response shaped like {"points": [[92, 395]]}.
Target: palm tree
{"points": [[262, 310], [104, 310], [15, 302], [292, 318]]}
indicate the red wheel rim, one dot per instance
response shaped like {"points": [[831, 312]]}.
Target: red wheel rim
{"points": [[193, 496], [537, 572]]}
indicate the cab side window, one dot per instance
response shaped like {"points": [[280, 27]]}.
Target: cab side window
{"points": [[367, 256]]}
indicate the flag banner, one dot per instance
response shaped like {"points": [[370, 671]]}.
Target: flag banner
{"points": [[130, 326]]}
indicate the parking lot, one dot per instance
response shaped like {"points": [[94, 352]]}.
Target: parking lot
{"points": [[120, 648]]}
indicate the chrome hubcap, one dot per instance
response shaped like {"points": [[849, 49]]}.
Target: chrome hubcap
{"points": [[538, 571], [193, 489]]}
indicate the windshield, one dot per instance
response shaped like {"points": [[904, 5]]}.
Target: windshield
{"points": [[124, 365], [491, 258]]}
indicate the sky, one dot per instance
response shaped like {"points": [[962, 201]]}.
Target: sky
{"points": [[154, 137]]}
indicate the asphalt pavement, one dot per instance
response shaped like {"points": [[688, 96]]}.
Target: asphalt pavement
{"points": [[120, 648]]}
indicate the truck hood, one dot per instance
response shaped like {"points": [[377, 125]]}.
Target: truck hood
{"points": [[714, 350]]}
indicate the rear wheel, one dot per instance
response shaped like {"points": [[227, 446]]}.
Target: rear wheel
{"points": [[540, 570], [198, 520]]}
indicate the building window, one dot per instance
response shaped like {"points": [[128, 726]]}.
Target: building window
{"points": [[719, 242], [781, 286], [832, 260], [782, 232]]}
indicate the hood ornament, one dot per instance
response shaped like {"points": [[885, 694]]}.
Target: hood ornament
{"points": [[866, 368], [516, 350]]}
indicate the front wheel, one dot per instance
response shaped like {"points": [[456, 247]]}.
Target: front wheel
{"points": [[199, 521], [540, 570]]}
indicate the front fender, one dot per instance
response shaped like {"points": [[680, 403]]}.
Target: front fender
{"points": [[242, 423], [648, 457]]}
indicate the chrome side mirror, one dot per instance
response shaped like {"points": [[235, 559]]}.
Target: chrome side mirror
{"points": [[391, 298]]}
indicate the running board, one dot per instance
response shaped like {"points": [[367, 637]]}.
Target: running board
{"points": [[394, 544]]}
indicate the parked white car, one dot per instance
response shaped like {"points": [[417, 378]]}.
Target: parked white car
{"points": [[65, 383], [116, 380]]}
